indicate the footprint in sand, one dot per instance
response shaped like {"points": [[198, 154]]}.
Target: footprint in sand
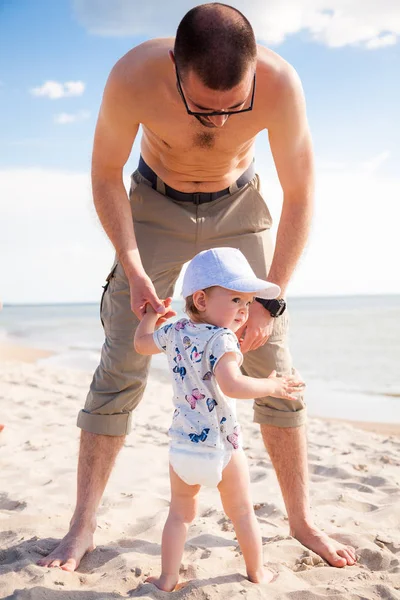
{"points": [[373, 559]]}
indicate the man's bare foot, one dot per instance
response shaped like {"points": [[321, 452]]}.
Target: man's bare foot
{"points": [[166, 583], [335, 553], [262, 576], [70, 550]]}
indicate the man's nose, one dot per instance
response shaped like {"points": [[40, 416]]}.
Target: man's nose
{"points": [[219, 120]]}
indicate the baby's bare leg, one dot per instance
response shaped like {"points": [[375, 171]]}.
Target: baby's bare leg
{"points": [[235, 495], [182, 511]]}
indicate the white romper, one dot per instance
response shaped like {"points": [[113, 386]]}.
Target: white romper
{"points": [[204, 430]]}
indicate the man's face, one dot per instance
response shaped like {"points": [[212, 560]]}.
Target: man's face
{"points": [[200, 98]]}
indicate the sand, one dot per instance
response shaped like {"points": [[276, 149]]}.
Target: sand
{"points": [[355, 493]]}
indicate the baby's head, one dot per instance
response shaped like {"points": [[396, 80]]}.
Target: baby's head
{"points": [[219, 285]]}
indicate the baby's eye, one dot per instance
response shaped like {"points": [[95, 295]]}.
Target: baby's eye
{"points": [[236, 300]]}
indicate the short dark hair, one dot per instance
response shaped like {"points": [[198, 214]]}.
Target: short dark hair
{"points": [[217, 42]]}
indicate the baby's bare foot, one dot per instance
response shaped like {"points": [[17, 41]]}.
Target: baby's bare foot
{"points": [[164, 583], [261, 576]]}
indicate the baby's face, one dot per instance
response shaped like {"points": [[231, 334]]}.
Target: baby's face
{"points": [[226, 308]]}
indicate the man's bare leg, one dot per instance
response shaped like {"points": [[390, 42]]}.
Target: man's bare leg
{"points": [[287, 448], [97, 456]]}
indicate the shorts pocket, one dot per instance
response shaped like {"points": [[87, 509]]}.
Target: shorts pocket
{"points": [[105, 288], [262, 209]]}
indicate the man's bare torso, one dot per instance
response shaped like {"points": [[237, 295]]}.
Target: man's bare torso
{"points": [[184, 153]]}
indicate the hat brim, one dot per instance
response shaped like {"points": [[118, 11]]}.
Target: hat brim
{"points": [[259, 287]]}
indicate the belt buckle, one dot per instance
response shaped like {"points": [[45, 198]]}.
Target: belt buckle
{"points": [[196, 198]]}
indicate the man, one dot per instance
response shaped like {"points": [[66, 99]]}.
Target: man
{"points": [[201, 100]]}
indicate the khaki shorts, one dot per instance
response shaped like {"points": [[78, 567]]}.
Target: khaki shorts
{"points": [[169, 233]]}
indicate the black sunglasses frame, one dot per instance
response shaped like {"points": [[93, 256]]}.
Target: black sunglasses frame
{"points": [[215, 113]]}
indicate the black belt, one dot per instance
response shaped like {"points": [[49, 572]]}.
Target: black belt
{"points": [[196, 197]]}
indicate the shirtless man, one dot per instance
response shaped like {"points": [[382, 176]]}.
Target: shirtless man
{"points": [[196, 188]]}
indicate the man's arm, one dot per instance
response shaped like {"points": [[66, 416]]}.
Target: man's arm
{"points": [[291, 148], [116, 129]]}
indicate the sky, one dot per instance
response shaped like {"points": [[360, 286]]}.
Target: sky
{"points": [[54, 61]]}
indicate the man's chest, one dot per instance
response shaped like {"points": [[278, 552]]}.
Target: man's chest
{"points": [[187, 135]]}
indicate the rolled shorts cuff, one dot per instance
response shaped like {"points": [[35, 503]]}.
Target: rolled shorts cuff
{"points": [[114, 425], [264, 415]]}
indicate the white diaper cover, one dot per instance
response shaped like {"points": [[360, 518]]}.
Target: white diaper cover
{"points": [[200, 466]]}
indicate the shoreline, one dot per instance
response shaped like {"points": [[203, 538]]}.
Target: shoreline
{"points": [[373, 427], [11, 352], [19, 353]]}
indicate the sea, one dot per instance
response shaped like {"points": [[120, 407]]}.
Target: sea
{"points": [[347, 349]]}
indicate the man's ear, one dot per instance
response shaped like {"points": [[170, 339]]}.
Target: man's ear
{"points": [[199, 300], [172, 56]]}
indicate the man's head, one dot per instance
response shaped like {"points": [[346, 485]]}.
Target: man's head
{"points": [[215, 57]]}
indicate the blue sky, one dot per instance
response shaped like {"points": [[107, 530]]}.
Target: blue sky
{"points": [[352, 90]]}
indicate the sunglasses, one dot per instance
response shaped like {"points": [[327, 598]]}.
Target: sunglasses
{"points": [[214, 113]]}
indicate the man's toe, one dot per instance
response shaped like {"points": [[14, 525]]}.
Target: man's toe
{"points": [[55, 563], [69, 565], [352, 552], [343, 552], [335, 559]]}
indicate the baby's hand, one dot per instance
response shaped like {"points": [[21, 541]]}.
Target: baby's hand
{"points": [[169, 312], [285, 387]]}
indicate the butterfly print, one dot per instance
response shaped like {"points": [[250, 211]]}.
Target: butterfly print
{"points": [[233, 438], [196, 438], [178, 355], [176, 413], [196, 356], [212, 360], [181, 324], [194, 397], [180, 370], [212, 327], [207, 376], [211, 403], [186, 342], [221, 424]]}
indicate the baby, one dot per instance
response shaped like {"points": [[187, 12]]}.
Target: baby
{"points": [[205, 441]]}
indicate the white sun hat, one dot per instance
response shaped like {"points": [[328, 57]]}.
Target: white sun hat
{"points": [[228, 268]]}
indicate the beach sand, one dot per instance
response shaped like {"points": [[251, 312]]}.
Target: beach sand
{"points": [[355, 494]]}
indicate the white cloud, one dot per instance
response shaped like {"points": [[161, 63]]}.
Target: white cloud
{"points": [[373, 164], [334, 23], [390, 39], [53, 249], [55, 90], [67, 118]]}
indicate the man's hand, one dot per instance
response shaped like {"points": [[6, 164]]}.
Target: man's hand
{"points": [[257, 329], [169, 312], [143, 292]]}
